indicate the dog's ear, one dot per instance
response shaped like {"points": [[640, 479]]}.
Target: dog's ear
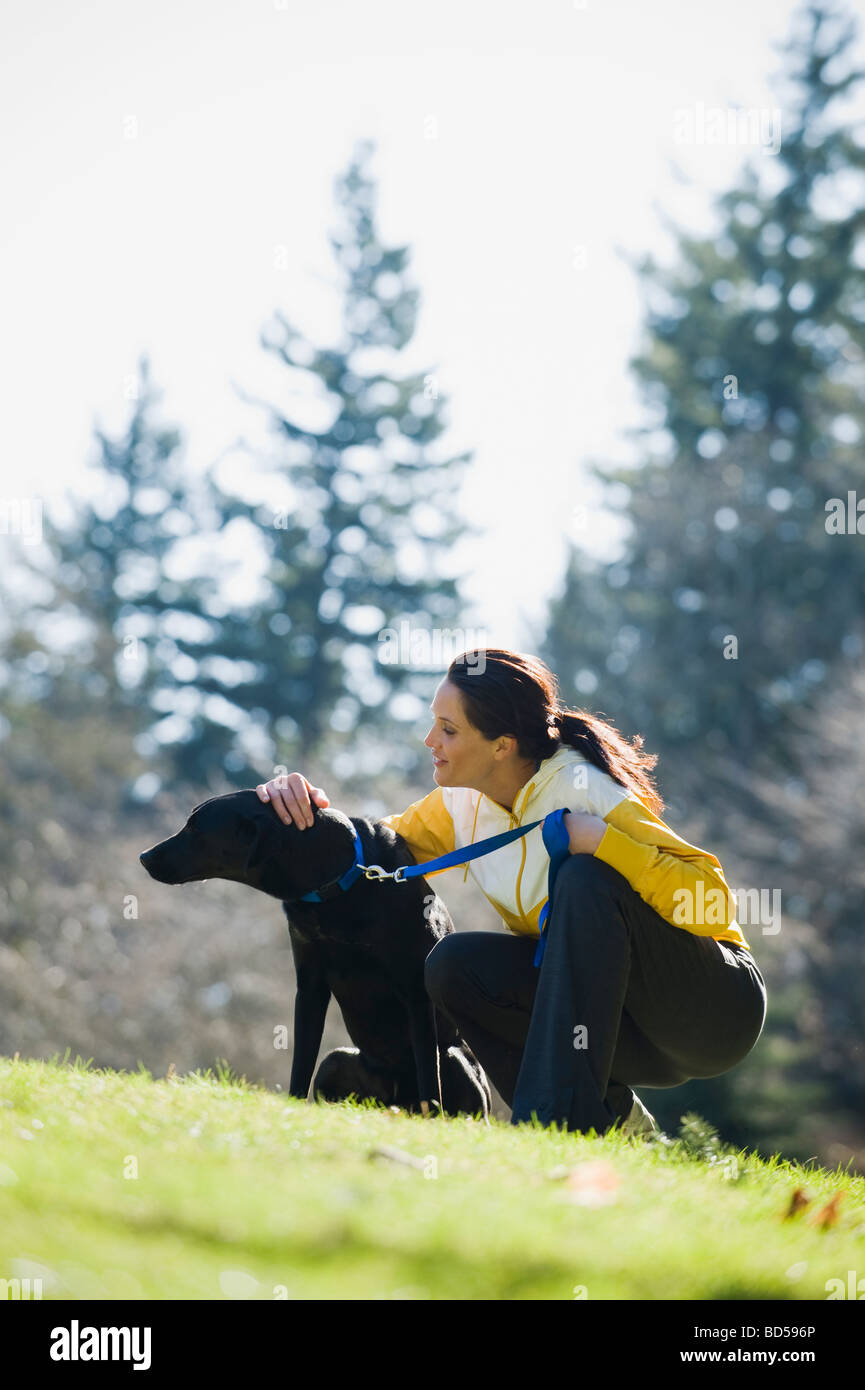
{"points": [[262, 846]]}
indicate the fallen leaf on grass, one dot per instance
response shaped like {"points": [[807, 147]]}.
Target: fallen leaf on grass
{"points": [[828, 1216], [798, 1200], [593, 1184]]}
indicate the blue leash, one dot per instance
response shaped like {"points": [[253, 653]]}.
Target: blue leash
{"points": [[556, 841]]}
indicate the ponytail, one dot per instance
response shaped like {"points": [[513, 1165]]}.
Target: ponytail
{"points": [[603, 745]]}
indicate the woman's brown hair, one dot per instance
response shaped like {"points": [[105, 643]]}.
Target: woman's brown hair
{"points": [[505, 692]]}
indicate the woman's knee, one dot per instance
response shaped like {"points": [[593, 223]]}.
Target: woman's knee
{"points": [[709, 1060], [443, 968], [466, 969]]}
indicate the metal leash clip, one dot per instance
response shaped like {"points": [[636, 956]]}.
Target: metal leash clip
{"points": [[375, 871]]}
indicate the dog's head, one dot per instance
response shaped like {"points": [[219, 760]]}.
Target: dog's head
{"points": [[241, 838]]}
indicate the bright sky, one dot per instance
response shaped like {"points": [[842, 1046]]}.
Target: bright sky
{"points": [[157, 155]]}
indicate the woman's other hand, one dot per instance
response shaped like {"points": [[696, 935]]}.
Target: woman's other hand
{"points": [[585, 832], [291, 796]]}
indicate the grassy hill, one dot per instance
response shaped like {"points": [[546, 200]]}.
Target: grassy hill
{"points": [[114, 1185]]}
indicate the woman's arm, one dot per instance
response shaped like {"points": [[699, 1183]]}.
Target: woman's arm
{"points": [[586, 832], [684, 884]]}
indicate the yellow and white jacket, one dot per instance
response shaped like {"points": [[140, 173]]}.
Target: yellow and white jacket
{"points": [[685, 885]]}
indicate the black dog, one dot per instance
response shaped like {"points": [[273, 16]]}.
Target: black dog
{"points": [[366, 946]]}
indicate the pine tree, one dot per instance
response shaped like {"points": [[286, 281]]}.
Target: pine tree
{"points": [[364, 544], [88, 646], [735, 599], [104, 585]]}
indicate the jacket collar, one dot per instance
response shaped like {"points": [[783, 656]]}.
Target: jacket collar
{"points": [[548, 769]]}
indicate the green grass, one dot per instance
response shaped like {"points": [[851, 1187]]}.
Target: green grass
{"points": [[244, 1193]]}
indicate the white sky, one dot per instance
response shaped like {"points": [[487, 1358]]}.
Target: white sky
{"points": [[553, 127]]}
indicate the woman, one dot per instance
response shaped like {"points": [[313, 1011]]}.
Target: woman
{"points": [[646, 979]]}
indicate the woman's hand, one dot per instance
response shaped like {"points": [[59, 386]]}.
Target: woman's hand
{"points": [[585, 832], [291, 795]]}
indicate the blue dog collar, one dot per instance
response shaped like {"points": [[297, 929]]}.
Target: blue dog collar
{"points": [[340, 885]]}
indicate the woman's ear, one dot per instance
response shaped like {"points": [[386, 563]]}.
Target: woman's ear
{"points": [[506, 746]]}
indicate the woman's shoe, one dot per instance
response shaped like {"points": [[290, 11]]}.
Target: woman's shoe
{"points": [[639, 1121]]}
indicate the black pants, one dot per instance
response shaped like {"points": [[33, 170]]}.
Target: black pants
{"points": [[622, 999]]}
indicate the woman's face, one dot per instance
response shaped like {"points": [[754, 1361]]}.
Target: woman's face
{"points": [[462, 757]]}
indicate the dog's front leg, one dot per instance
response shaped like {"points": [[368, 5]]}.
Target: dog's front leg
{"points": [[310, 1009], [421, 1018]]}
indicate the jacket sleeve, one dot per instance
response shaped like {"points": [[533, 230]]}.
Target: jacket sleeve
{"points": [[685, 885], [426, 827]]}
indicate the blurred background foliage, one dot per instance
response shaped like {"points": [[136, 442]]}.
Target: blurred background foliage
{"points": [[729, 633]]}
